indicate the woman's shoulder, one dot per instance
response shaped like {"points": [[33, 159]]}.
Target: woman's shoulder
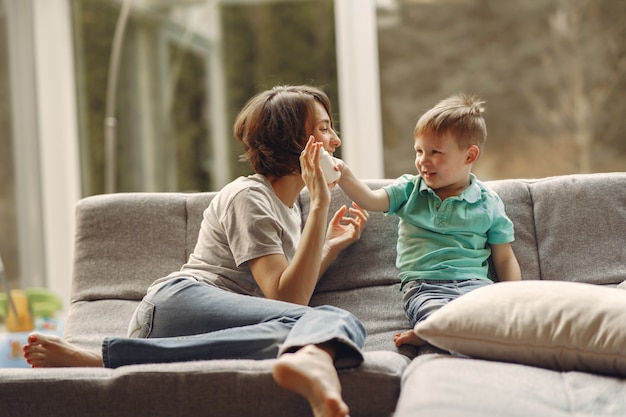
{"points": [[253, 181], [251, 186], [244, 195]]}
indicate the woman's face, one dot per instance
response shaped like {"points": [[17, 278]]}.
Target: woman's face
{"points": [[323, 130]]}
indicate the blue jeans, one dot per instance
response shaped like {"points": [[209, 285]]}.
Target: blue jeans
{"points": [[421, 298], [185, 320]]}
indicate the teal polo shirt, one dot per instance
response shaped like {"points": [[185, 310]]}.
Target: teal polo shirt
{"points": [[446, 240]]}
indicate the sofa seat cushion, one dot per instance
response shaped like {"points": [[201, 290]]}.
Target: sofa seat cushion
{"points": [[444, 386], [217, 388], [557, 325], [378, 307]]}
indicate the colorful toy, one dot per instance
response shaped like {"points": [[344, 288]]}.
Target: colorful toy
{"points": [[24, 311]]}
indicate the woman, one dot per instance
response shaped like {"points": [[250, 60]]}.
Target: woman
{"points": [[245, 289]]}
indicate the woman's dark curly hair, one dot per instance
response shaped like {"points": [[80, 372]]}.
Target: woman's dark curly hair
{"points": [[274, 127]]}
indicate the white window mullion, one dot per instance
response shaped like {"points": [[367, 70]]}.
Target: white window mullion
{"points": [[359, 87], [58, 138], [25, 142]]}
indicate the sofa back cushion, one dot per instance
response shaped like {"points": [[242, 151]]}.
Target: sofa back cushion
{"points": [[125, 241], [518, 205], [370, 260], [580, 222], [566, 228], [569, 228]]}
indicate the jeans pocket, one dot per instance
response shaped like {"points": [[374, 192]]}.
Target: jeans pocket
{"points": [[140, 324]]}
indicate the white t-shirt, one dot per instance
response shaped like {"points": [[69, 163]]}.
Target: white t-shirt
{"points": [[246, 220]]}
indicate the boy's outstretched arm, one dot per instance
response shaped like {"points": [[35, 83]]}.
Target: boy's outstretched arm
{"points": [[505, 262], [372, 200]]}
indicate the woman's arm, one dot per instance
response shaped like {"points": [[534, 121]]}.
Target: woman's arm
{"points": [[505, 262], [295, 281]]}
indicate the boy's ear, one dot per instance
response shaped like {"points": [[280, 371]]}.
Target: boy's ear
{"points": [[472, 154]]}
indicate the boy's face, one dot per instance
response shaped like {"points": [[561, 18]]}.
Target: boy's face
{"points": [[323, 130], [443, 165]]}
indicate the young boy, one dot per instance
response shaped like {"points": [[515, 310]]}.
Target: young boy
{"points": [[449, 222]]}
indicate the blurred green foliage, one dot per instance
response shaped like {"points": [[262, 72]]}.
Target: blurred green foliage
{"points": [[551, 72], [262, 45]]}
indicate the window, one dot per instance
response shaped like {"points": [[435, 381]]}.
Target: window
{"points": [[37, 118], [185, 70], [552, 73], [8, 204]]}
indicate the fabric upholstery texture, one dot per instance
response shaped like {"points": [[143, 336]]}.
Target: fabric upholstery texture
{"points": [[568, 228], [204, 388], [442, 386]]}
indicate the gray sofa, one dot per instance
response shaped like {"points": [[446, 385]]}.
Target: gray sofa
{"points": [[569, 228]]}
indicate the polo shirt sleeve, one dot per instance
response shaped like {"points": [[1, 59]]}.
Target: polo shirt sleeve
{"points": [[501, 230], [399, 192]]}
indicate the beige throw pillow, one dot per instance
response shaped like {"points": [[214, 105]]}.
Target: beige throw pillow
{"points": [[558, 325]]}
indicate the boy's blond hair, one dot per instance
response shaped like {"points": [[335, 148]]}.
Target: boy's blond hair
{"points": [[459, 116]]}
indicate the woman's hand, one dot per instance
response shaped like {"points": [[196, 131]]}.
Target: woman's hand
{"points": [[343, 230], [312, 175]]}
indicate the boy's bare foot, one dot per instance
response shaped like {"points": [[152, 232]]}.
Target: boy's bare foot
{"points": [[311, 373], [50, 351], [408, 338]]}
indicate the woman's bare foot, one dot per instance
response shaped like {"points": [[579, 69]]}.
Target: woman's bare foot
{"points": [[408, 338], [311, 373], [50, 351]]}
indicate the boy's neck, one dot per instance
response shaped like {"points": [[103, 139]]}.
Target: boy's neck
{"points": [[453, 190]]}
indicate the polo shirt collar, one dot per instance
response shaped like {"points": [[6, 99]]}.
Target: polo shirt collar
{"points": [[471, 194]]}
